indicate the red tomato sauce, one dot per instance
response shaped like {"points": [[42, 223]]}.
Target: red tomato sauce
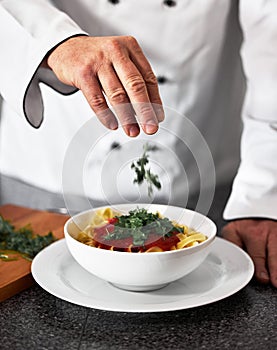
{"points": [[126, 244]]}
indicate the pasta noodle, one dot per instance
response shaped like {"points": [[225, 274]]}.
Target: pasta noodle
{"points": [[139, 231]]}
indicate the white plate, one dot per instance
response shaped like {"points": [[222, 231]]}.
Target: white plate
{"points": [[225, 271]]}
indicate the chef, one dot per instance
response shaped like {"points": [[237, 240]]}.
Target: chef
{"points": [[91, 77]]}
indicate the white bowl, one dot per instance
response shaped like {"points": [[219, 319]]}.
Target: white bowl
{"points": [[141, 271]]}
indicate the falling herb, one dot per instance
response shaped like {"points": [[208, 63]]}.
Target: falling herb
{"points": [[139, 224], [22, 241], [144, 174]]}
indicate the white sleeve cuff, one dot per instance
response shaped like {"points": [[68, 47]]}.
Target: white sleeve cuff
{"points": [[25, 42], [239, 207], [254, 191], [32, 100]]}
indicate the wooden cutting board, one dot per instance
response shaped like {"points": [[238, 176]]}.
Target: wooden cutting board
{"points": [[15, 276]]}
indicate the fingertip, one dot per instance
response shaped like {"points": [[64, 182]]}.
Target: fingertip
{"points": [[107, 118], [150, 129], [262, 277], [113, 125], [132, 131]]}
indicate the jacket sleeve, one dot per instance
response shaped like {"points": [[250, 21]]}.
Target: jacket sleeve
{"points": [[29, 30], [254, 191]]}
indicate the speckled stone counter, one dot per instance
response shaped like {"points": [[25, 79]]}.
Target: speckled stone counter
{"points": [[34, 319]]}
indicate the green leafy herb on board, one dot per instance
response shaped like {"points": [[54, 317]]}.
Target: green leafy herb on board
{"points": [[21, 241], [144, 174]]}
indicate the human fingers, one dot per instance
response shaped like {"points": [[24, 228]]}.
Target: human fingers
{"points": [[255, 240], [137, 56], [272, 255], [82, 70], [92, 91], [136, 90], [229, 232], [118, 98]]}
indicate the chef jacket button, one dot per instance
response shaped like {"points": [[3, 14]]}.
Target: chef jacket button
{"points": [[115, 145], [170, 3], [114, 2], [161, 79]]}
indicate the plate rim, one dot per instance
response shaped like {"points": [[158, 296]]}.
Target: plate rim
{"points": [[146, 308]]}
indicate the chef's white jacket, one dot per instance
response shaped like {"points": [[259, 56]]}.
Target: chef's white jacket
{"points": [[216, 61]]}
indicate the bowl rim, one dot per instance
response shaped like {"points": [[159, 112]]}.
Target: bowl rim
{"points": [[189, 250]]}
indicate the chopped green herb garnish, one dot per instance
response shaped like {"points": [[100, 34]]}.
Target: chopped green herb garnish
{"points": [[139, 224], [144, 174], [22, 241]]}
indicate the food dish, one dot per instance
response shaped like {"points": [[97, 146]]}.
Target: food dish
{"points": [[226, 270], [141, 272], [138, 231]]}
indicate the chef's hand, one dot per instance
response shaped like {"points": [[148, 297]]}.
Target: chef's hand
{"points": [[259, 238], [116, 67]]}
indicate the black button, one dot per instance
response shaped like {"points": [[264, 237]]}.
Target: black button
{"points": [[161, 79], [115, 145], [114, 1], [170, 3]]}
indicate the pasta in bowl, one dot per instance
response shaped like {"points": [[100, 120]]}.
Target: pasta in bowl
{"points": [[139, 247]]}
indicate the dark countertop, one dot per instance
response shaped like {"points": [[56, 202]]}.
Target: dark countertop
{"points": [[34, 319]]}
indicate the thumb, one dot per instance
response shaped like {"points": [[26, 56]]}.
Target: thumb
{"points": [[230, 233]]}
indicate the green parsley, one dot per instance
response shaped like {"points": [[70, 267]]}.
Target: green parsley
{"points": [[144, 174], [21, 241], [139, 224]]}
